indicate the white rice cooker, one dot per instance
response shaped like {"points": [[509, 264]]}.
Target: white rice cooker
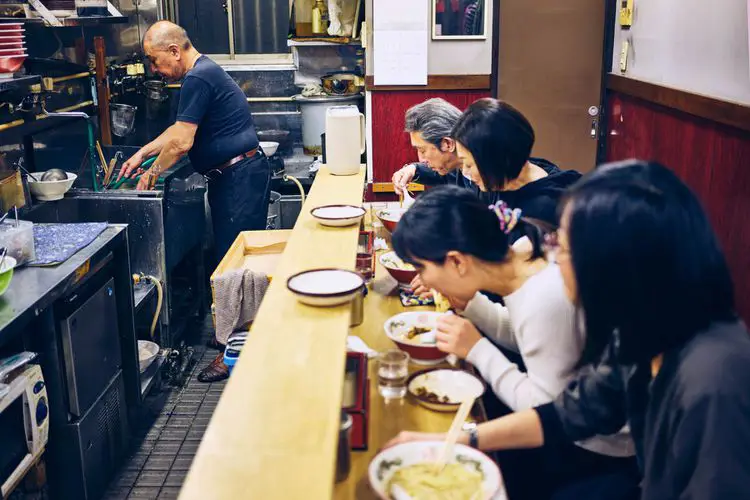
{"points": [[314, 118]]}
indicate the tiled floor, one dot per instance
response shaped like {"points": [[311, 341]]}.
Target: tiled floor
{"points": [[167, 436]]}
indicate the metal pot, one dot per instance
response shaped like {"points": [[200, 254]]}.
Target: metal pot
{"points": [[343, 84], [273, 220], [123, 119], [155, 90]]}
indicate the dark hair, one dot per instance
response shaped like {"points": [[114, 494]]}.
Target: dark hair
{"points": [[499, 138], [646, 261], [450, 218]]}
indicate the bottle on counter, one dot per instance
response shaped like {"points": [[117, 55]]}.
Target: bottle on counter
{"points": [[320, 18]]}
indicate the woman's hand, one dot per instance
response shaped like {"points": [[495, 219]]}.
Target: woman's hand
{"points": [[403, 177], [406, 437], [458, 305], [419, 289], [456, 335]]}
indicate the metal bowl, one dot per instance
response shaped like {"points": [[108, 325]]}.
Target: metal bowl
{"points": [[54, 174]]}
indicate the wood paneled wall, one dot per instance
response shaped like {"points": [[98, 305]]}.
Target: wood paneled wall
{"points": [[713, 159]]}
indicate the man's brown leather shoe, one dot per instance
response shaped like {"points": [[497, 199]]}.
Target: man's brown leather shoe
{"points": [[216, 371]]}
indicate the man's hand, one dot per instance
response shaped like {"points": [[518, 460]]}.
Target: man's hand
{"points": [[132, 164], [403, 177], [147, 181], [456, 335]]}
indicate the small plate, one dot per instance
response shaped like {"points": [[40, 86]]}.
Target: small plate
{"points": [[325, 287], [338, 215], [446, 388]]}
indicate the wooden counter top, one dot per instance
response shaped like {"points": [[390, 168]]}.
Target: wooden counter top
{"points": [[275, 430], [386, 418]]}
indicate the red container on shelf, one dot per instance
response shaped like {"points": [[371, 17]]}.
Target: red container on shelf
{"points": [[356, 398]]}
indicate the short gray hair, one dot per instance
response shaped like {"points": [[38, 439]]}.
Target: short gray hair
{"points": [[434, 119], [162, 34]]}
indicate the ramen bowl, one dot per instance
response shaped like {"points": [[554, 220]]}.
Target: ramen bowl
{"points": [[325, 287], [389, 217], [401, 271], [422, 347], [50, 190], [389, 461], [338, 215]]}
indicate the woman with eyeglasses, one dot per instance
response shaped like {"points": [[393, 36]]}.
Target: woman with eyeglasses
{"points": [[641, 262], [461, 246]]}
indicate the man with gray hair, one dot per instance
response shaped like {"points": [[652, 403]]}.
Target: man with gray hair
{"points": [[429, 125]]}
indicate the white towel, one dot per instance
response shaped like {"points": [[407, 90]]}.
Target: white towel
{"points": [[237, 297]]}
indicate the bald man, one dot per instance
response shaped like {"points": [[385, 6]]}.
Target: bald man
{"points": [[215, 128]]}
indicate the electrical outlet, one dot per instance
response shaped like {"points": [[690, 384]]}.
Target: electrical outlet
{"points": [[626, 13], [624, 56]]}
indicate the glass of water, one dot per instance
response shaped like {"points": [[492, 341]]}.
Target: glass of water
{"points": [[393, 370]]}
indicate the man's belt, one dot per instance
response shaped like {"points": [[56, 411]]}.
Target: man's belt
{"points": [[217, 170], [236, 159]]}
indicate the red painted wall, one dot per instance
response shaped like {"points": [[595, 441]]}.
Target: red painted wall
{"points": [[391, 148], [713, 159]]}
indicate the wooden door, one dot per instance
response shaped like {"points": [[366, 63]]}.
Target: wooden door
{"points": [[550, 67]]}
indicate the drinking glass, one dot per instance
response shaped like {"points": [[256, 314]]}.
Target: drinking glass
{"points": [[393, 370]]}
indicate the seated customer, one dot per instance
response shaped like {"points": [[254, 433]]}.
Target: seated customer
{"points": [[429, 125], [460, 247], [641, 262], [494, 141]]}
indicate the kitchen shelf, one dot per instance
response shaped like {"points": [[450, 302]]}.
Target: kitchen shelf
{"points": [[323, 42], [19, 82], [69, 21]]}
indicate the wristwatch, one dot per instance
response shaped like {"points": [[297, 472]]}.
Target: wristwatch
{"points": [[471, 429]]}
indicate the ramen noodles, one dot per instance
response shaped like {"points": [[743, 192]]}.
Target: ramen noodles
{"points": [[422, 482]]}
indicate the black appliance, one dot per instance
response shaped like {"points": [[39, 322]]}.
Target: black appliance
{"points": [[91, 346]]}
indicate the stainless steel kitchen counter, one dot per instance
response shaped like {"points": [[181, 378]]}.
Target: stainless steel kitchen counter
{"points": [[33, 289]]}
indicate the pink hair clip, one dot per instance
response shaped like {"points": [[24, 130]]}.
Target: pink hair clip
{"points": [[507, 216]]}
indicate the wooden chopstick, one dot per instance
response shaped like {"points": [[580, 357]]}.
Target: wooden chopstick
{"points": [[452, 437], [108, 172], [101, 155]]}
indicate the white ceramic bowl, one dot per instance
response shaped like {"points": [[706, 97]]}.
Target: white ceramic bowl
{"points": [[325, 287], [147, 352], [388, 461], [269, 147], [422, 349], [50, 190], [443, 389], [338, 215]]}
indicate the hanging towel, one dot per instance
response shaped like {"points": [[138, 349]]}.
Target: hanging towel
{"points": [[237, 296]]}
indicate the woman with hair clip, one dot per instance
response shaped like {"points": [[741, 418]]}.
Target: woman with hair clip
{"points": [[493, 143], [641, 262], [461, 246]]}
